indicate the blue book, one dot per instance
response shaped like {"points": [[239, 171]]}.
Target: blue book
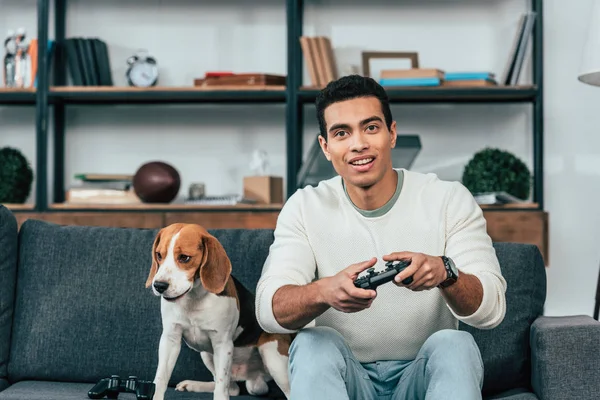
{"points": [[468, 76], [433, 81]]}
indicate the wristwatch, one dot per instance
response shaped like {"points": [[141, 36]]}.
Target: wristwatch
{"points": [[451, 273]]}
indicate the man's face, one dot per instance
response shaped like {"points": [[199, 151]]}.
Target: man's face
{"points": [[358, 141]]}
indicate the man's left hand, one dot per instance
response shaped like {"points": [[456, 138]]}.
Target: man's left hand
{"points": [[427, 271]]}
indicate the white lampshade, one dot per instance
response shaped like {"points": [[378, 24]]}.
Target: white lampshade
{"points": [[590, 65]]}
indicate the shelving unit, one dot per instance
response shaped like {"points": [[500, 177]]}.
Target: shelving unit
{"points": [[54, 97]]}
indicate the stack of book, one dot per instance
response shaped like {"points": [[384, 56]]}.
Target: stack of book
{"points": [[240, 81], [88, 61], [434, 77], [471, 79], [411, 77], [518, 52], [320, 60], [102, 189]]}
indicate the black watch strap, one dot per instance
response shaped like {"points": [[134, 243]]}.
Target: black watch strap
{"points": [[451, 276]]}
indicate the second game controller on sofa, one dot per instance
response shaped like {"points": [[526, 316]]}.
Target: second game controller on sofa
{"points": [[111, 387]]}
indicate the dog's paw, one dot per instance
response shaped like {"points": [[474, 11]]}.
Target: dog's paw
{"points": [[234, 389], [194, 386], [257, 387]]}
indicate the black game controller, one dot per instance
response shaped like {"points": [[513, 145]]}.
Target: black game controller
{"points": [[111, 387], [373, 279]]}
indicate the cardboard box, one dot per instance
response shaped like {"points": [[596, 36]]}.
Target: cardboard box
{"points": [[264, 189]]}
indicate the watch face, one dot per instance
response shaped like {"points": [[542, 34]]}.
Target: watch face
{"points": [[143, 74], [453, 268]]}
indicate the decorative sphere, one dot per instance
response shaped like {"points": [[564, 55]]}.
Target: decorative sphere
{"points": [[156, 182], [16, 176]]}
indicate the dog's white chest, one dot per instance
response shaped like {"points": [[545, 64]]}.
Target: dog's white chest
{"points": [[197, 339], [202, 321]]}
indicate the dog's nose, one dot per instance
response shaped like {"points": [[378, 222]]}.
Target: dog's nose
{"points": [[161, 286]]}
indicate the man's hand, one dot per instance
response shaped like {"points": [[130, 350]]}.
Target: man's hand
{"points": [[427, 271], [294, 306], [339, 292], [464, 297]]}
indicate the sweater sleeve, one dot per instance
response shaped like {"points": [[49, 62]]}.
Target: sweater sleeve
{"points": [[290, 261], [470, 247]]}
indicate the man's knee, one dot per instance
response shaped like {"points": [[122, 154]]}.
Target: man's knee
{"points": [[459, 343], [317, 342]]}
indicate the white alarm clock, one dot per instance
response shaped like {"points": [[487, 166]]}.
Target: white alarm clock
{"points": [[142, 71]]}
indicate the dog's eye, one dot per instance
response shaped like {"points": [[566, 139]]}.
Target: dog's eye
{"points": [[158, 256], [183, 258]]}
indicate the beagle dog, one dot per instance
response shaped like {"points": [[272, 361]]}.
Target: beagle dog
{"points": [[203, 304]]}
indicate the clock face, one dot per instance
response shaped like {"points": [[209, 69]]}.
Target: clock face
{"points": [[143, 74]]}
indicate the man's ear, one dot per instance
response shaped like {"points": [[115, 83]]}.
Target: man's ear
{"points": [[215, 268], [324, 146], [393, 134], [154, 266]]}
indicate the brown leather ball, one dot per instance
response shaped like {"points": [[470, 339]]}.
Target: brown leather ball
{"points": [[156, 182]]}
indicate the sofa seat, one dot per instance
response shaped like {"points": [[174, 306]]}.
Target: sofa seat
{"points": [[42, 390]]}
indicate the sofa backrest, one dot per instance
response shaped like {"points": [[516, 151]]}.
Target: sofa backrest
{"points": [[83, 313], [8, 268], [82, 310]]}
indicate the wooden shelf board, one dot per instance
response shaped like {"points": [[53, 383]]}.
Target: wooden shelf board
{"points": [[16, 90], [166, 94], [15, 96], [512, 206], [165, 207], [446, 94], [18, 207]]}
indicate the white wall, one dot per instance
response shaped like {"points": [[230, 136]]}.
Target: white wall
{"points": [[214, 144]]}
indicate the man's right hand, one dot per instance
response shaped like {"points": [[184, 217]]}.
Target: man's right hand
{"points": [[339, 292]]}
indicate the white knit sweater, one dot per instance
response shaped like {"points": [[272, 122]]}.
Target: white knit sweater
{"points": [[319, 232]]}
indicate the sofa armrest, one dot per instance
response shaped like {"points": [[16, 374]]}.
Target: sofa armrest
{"points": [[565, 357]]}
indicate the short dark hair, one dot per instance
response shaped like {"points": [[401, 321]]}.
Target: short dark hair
{"points": [[347, 88]]}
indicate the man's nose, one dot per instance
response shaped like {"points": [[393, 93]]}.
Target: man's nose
{"points": [[359, 142]]}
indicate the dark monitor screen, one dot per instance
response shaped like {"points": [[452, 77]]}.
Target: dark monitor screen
{"points": [[317, 168]]}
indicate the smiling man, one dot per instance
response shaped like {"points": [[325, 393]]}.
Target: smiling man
{"points": [[400, 341]]}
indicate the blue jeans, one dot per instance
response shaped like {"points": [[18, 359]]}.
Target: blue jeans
{"points": [[322, 366]]}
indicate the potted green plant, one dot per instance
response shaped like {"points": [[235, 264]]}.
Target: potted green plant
{"points": [[494, 171], [16, 176]]}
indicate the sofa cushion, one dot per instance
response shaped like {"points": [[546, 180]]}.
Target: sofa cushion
{"points": [[8, 269], [83, 312], [505, 349], [38, 390]]}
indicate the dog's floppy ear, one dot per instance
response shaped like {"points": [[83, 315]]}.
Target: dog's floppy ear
{"points": [[154, 267], [216, 266]]}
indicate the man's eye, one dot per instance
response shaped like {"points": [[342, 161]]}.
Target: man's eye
{"points": [[158, 256], [372, 127], [183, 258], [340, 133]]}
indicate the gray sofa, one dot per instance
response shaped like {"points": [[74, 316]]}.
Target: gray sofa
{"points": [[74, 309]]}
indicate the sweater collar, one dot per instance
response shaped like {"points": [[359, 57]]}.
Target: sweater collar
{"points": [[378, 212]]}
